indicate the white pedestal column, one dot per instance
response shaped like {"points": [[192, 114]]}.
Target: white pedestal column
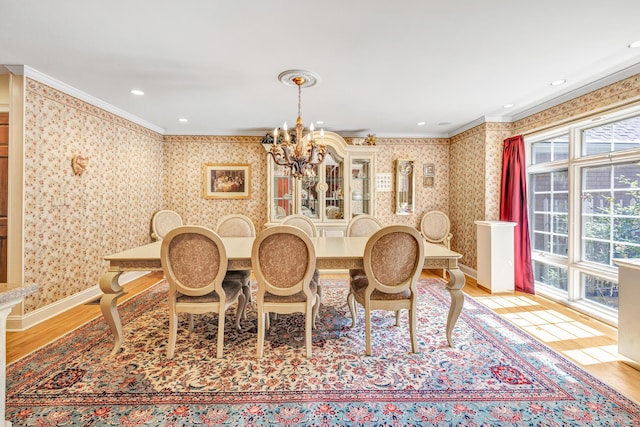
{"points": [[628, 313], [495, 255]]}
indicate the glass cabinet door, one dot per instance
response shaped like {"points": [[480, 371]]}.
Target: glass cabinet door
{"points": [[283, 191], [340, 187], [309, 195], [361, 187], [334, 177]]}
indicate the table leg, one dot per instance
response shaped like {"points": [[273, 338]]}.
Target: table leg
{"points": [[455, 285], [111, 291]]}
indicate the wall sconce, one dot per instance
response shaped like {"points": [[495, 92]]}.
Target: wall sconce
{"points": [[79, 164]]}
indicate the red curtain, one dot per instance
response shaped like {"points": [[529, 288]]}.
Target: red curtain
{"points": [[513, 208]]}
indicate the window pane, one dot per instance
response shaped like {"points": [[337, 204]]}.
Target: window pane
{"points": [[600, 291], [597, 227], [550, 208], [597, 178], [542, 202], [541, 152], [611, 213], [560, 245], [560, 203], [560, 181], [597, 251], [550, 275], [628, 250], [551, 149], [561, 224], [541, 182], [542, 242], [626, 175], [626, 230], [596, 202], [541, 222], [621, 135]]}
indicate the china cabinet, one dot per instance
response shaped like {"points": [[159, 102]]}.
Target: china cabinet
{"points": [[343, 186]]}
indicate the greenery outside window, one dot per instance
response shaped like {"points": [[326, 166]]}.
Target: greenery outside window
{"points": [[584, 210]]}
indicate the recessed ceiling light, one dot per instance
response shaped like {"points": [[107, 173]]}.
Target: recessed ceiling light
{"points": [[508, 105], [444, 123], [421, 123], [137, 92], [183, 120], [319, 122], [634, 44], [558, 82]]}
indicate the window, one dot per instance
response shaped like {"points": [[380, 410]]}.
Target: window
{"points": [[584, 210]]}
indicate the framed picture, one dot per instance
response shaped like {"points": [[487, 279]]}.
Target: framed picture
{"points": [[228, 181]]}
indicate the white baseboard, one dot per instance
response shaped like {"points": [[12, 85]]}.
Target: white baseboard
{"points": [[16, 323]]}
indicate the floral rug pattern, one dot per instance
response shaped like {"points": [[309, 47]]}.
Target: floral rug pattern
{"points": [[495, 375]]}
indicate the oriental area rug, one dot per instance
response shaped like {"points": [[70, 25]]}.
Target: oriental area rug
{"points": [[495, 375]]}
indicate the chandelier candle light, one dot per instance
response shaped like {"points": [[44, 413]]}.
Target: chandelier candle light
{"points": [[300, 158]]}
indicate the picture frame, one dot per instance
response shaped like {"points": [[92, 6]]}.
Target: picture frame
{"points": [[226, 181]]}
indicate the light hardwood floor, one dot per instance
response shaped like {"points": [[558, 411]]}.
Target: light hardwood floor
{"points": [[583, 340]]}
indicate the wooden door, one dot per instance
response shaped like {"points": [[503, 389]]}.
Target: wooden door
{"points": [[4, 185]]}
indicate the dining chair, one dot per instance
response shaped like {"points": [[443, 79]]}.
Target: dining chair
{"points": [[303, 222], [164, 221], [362, 225], [284, 259], [194, 261], [435, 228], [308, 226], [238, 225], [393, 260]]}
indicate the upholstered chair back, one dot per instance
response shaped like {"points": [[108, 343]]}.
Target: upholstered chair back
{"points": [[283, 260], [394, 258], [194, 260], [363, 225], [302, 222], [435, 226], [236, 225], [164, 221]]}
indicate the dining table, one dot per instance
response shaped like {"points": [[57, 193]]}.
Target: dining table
{"points": [[332, 253]]}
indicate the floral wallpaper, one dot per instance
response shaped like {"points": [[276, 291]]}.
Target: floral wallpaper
{"points": [[71, 221], [427, 150], [183, 175], [476, 159], [611, 96], [467, 176]]}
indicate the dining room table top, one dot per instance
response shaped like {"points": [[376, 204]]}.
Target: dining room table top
{"points": [[239, 248]]}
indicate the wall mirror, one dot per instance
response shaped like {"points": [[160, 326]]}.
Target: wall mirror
{"points": [[405, 186]]}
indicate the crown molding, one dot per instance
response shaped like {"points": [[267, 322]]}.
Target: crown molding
{"points": [[615, 77], [608, 79], [83, 96]]}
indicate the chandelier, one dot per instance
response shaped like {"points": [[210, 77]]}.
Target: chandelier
{"points": [[303, 153]]}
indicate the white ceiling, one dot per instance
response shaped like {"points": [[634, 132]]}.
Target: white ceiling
{"points": [[384, 65]]}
